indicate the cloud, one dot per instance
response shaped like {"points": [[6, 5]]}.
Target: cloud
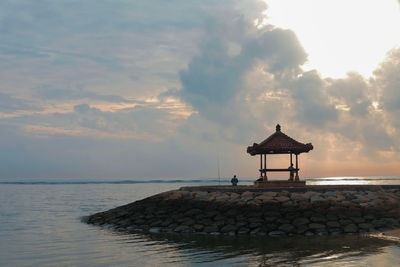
{"points": [[59, 93], [9, 104], [215, 77], [311, 101], [352, 92], [388, 82], [159, 88]]}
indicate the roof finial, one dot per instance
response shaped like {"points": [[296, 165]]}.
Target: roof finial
{"points": [[278, 128]]}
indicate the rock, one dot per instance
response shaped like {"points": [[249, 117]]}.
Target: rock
{"points": [[350, 228], [298, 197], [241, 223], [234, 196], [188, 222], [201, 195], [333, 224], [193, 212], [289, 204], [154, 230], [302, 228], [369, 217], [371, 196], [219, 223], [361, 199], [366, 226], [300, 221], [317, 198], [269, 194], [287, 228], [181, 228], [255, 231], [282, 199], [211, 214], [254, 225], [335, 231], [340, 198], [212, 196], [219, 217], [261, 233], [156, 223], [228, 228], [310, 194], [308, 233], [390, 221], [308, 213], [210, 229], [330, 194], [345, 222], [186, 194], [272, 214], [276, 233], [331, 217], [321, 232], [206, 222], [264, 198], [318, 219], [174, 196], [255, 220], [172, 226], [198, 227], [284, 193], [232, 212], [291, 215], [316, 226], [357, 219], [246, 199], [247, 194], [243, 231], [270, 227], [222, 197], [282, 221]]}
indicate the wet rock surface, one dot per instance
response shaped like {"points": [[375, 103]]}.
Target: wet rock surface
{"points": [[282, 213]]}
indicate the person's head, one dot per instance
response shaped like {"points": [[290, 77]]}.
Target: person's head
{"points": [[291, 164], [234, 176]]}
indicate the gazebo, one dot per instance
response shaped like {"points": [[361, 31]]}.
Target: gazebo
{"points": [[279, 143]]}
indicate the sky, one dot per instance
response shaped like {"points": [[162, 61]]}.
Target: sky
{"points": [[112, 90]]}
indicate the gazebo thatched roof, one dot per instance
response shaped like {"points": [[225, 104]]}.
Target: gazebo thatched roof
{"points": [[279, 143]]}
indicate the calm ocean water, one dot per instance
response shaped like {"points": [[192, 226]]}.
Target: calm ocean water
{"points": [[40, 226]]}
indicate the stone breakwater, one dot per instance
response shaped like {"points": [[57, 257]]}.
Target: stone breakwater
{"points": [[262, 212]]}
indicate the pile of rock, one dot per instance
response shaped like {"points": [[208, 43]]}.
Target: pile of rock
{"points": [[258, 213]]}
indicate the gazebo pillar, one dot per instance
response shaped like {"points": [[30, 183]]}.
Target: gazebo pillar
{"points": [[265, 168], [297, 169], [261, 167]]}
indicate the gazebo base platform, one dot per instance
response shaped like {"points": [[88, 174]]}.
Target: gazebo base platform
{"points": [[280, 183]]}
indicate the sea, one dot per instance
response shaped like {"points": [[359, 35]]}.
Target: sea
{"points": [[40, 225]]}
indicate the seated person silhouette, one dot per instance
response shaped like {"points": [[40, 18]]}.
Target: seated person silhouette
{"points": [[234, 181]]}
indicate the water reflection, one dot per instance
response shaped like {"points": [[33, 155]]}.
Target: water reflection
{"points": [[353, 181], [264, 251]]}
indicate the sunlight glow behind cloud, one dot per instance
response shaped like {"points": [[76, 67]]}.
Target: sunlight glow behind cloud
{"points": [[340, 35]]}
